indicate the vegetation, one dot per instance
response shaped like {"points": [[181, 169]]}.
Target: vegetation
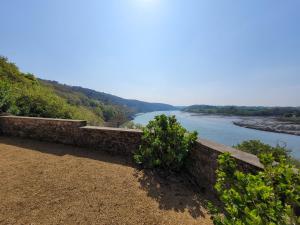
{"points": [[24, 95], [256, 147], [290, 113], [265, 198], [7, 100], [165, 144], [134, 106], [113, 114]]}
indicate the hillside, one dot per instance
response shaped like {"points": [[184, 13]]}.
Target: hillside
{"points": [[133, 106], [22, 94], [25, 95], [112, 114]]}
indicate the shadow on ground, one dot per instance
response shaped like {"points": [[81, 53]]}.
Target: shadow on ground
{"points": [[62, 150], [173, 192]]}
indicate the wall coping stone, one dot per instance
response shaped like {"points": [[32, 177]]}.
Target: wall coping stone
{"points": [[111, 129], [238, 154]]}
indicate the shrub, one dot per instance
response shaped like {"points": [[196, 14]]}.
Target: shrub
{"points": [[267, 197], [41, 102], [6, 99], [165, 144], [257, 147]]}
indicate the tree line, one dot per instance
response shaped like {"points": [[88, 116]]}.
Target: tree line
{"points": [[285, 112]]}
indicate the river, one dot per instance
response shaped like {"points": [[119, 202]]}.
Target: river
{"points": [[221, 129]]}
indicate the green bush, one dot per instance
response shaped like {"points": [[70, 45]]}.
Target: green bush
{"points": [[265, 198], [165, 144], [6, 98], [41, 102], [257, 147]]}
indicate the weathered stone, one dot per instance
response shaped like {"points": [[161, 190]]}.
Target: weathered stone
{"points": [[203, 162], [72, 132]]}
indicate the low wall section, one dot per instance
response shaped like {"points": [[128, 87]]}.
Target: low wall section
{"points": [[203, 157], [72, 132]]}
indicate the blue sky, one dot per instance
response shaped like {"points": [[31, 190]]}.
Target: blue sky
{"points": [[175, 51]]}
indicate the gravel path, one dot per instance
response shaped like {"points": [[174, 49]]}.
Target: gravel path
{"points": [[42, 183]]}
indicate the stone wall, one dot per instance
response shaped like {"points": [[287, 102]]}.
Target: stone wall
{"points": [[72, 132], [203, 162], [112, 140], [52, 130], [203, 157]]}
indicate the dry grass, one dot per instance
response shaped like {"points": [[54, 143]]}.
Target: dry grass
{"points": [[42, 183]]}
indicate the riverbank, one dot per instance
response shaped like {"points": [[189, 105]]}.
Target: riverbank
{"points": [[271, 124]]}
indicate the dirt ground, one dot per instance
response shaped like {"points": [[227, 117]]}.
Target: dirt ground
{"points": [[42, 183]]}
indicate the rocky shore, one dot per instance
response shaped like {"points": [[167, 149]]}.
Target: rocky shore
{"points": [[270, 124]]}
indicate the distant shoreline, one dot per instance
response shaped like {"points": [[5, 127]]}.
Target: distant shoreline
{"points": [[269, 124], [266, 123]]}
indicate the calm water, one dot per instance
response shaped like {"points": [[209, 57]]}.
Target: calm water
{"points": [[221, 129]]}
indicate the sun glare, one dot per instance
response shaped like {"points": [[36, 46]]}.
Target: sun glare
{"points": [[147, 2]]}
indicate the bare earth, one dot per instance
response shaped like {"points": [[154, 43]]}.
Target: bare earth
{"points": [[42, 183]]}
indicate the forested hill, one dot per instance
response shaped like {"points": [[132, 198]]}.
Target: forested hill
{"points": [[135, 106], [286, 112], [25, 95]]}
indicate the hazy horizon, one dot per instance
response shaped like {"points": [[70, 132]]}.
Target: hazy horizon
{"points": [[168, 51], [176, 105]]}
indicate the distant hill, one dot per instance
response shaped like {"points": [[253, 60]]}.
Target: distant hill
{"points": [[285, 112], [133, 106], [25, 95]]}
